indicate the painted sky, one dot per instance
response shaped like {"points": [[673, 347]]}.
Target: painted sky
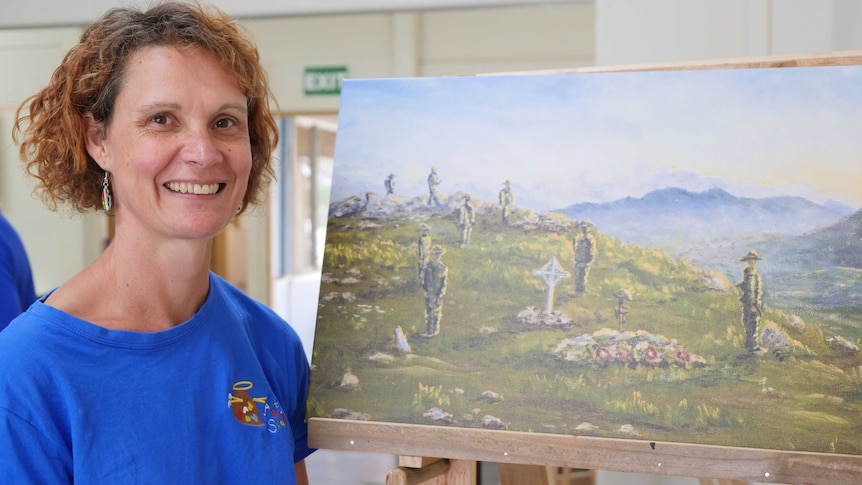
{"points": [[569, 138]]}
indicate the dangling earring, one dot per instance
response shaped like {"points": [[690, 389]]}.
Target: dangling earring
{"points": [[107, 202]]}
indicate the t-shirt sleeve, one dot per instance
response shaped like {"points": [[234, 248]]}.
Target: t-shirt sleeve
{"points": [[16, 280], [10, 300], [27, 454], [298, 422]]}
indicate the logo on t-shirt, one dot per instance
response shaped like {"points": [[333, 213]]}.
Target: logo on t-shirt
{"points": [[255, 411]]}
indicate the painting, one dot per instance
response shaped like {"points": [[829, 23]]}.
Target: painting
{"points": [[664, 256]]}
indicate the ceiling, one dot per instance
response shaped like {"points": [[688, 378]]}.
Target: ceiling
{"points": [[52, 13]]}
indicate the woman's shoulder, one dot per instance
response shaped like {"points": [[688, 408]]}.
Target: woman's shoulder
{"points": [[27, 344], [246, 307], [236, 298], [29, 324]]}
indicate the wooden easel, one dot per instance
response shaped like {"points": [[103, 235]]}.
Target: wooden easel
{"points": [[435, 471], [541, 459]]}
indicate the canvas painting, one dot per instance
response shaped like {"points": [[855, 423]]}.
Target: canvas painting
{"points": [[663, 256]]}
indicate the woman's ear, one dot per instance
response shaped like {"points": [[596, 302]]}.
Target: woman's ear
{"points": [[95, 140]]}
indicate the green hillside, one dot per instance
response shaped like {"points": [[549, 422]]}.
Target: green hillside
{"points": [[488, 369]]}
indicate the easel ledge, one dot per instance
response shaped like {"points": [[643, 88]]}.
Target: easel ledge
{"points": [[511, 447]]}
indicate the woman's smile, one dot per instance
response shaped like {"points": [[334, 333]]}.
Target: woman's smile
{"points": [[192, 188]]}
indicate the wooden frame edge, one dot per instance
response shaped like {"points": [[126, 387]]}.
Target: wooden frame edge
{"points": [[841, 58], [626, 455]]}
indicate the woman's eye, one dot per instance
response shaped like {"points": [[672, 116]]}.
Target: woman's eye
{"points": [[160, 119], [225, 123]]}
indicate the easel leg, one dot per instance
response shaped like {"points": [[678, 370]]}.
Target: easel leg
{"points": [[511, 474], [461, 472], [515, 474], [433, 472]]}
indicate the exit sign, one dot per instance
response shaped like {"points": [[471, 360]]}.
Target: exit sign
{"points": [[323, 80]]}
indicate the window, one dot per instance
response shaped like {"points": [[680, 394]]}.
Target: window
{"points": [[300, 202]]}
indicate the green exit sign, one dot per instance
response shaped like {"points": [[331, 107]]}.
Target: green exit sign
{"points": [[323, 80]]}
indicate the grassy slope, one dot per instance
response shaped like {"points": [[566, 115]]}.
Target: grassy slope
{"points": [[809, 400]]}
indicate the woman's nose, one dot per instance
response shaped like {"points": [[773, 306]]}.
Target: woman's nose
{"points": [[200, 148]]}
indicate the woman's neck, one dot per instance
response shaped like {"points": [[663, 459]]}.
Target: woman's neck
{"points": [[144, 289]]}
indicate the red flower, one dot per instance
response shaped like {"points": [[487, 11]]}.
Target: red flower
{"points": [[651, 354], [603, 355]]}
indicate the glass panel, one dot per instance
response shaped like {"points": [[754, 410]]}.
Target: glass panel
{"points": [[323, 187], [302, 189]]}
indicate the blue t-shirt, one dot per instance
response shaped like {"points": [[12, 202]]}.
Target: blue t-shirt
{"points": [[17, 291], [220, 398]]}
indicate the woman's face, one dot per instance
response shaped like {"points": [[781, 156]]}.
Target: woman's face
{"points": [[177, 145]]}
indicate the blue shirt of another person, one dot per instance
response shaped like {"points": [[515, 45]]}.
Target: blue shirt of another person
{"points": [[17, 290]]}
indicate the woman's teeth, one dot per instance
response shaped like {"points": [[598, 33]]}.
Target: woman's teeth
{"points": [[185, 188]]}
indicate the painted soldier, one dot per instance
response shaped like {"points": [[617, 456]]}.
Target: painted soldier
{"points": [[433, 182], [584, 246], [466, 219], [751, 298], [424, 247], [434, 279], [622, 310], [507, 201], [389, 183]]}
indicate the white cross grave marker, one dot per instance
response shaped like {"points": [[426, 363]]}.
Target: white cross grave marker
{"points": [[552, 274]]}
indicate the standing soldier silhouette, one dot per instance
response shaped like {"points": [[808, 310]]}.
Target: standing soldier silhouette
{"points": [[507, 201], [433, 182], [434, 279], [751, 299], [389, 183], [466, 218], [584, 246], [622, 310], [424, 247]]}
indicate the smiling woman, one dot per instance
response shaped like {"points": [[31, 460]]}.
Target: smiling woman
{"points": [[160, 117], [183, 149]]}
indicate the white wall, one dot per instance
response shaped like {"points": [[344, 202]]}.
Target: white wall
{"points": [[655, 31], [43, 13]]}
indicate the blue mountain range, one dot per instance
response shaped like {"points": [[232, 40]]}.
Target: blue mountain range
{"points": [[676, 219]]}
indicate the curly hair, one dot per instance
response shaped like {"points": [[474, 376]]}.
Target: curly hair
{"points": [[50, 126]]}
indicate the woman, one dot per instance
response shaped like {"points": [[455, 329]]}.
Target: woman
{"points": [[146, 367]]}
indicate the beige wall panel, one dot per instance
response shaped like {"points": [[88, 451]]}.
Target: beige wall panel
{"points": [[802, 26], [446, 42], [638, 32], [486, 66], [847, 33], [635, 32], [506, 39], [289, 45]]}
